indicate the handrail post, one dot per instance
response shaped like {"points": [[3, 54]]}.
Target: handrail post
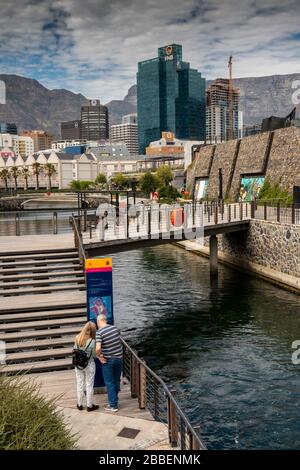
{"points": [[265, 210], [149, 222], [241, 211], [133, 374], [278, 211], [195, 442], [216, 214], [17, 218], [142, 386], [293, 214], [229, 212], [54, 223], [172, 421], [252, 210], [84, 220]]}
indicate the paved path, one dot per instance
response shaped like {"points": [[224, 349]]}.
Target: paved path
{"points": [[99, 430]]}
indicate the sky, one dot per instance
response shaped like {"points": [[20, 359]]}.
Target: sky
{"points": [[93, 46]]}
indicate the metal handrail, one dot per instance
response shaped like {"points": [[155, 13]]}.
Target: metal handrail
{"points": [[78, 241], [200, 445]]}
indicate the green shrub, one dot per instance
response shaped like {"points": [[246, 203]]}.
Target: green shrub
{"points": [[28, 420], [168, 192], [149, 183], [274, 191]]}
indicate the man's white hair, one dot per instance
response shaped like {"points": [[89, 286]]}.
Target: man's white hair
{"points": [[101, 317]]}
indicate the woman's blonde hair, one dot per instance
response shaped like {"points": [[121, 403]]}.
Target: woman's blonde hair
{"points": [[87, 332]]}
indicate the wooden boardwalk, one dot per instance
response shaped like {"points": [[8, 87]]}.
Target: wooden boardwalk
{"points": [[99, 430]]}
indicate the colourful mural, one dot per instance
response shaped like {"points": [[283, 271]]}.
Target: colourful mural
{"points": [[200, 188], [250, 187]]}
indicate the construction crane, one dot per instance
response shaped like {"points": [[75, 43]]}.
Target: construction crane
{"points": [[230, 99]]}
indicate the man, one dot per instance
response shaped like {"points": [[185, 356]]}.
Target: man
{"points": [[110, 353]]}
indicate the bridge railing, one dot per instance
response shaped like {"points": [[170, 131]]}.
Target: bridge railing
{"points": [[155, 396]]}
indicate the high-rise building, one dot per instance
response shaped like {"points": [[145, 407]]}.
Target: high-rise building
{"points": [[94, 121], [170, 97], [71, 130], [126, 132], [217, 111], [16, 145], [41, 139], [8, 128]]}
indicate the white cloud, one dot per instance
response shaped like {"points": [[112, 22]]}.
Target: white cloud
{"points": [[95, 45]]}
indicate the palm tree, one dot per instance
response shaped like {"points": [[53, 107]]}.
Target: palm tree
{"points": [[50, 170], [37, 170], [5, 175], [25, 173], [15, 172]]}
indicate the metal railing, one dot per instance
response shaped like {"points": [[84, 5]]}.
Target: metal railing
{"points": [[277, 211], [155, 396], [33, 222], [75, 222]]}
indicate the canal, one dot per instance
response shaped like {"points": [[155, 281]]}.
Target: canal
{"points": [[225, 346]]}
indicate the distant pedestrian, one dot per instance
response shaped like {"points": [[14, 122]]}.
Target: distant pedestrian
{"points": [[83, 358], [110, 353]]}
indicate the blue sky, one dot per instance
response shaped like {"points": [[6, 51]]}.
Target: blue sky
{"points": [[93, 46]]}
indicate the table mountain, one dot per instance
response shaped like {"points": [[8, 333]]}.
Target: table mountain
{"points": [[32, 106]]}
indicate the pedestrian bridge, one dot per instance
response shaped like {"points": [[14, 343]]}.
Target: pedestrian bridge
{"points": [[146, 226]]}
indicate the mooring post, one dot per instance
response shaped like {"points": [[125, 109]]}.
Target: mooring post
{"points": [[213, 255]]}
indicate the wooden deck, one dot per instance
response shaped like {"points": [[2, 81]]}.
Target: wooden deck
{"points": [[99, 430], [25, 243]]}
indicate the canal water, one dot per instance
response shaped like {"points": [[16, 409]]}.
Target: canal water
{"points": [[225, 346]]}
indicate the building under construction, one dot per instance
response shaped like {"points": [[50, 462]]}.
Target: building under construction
{"points": [[219, 126]]}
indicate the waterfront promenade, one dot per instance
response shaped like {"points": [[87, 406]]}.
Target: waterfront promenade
{"points": [[130, 428]]}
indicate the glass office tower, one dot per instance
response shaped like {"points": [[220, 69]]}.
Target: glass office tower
{"points": [[170, 97]]}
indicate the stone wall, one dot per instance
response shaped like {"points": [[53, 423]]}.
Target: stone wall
{"points": [[284, 159], [269, 244], [251, 158], [275, 155], [223, 158], [201, 166]]}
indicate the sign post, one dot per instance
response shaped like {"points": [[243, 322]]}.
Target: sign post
{"points": [[99, 297]]}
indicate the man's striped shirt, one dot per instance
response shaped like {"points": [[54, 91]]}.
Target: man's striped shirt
{"points": [[109, 338]]}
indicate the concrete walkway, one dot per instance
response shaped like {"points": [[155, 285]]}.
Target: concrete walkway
{"points": [[13, 243], [99, 430]]}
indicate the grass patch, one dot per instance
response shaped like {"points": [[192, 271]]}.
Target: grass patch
{"points": [[29, 421]]}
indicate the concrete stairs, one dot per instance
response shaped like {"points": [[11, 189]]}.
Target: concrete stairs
{"points": [[40, 337]]}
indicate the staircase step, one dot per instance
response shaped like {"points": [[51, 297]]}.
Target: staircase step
{"points": [[12, 277], [48, 333], [37, 256], [40, 344], [41, 262], [40, 290], [39, 252], [39, 354], [14, 317], [40, 324], [41, 282], [39, 366], [40, 269], [40, 308]]}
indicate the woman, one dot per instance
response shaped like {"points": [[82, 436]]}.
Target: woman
{"points": [[85, 377]]}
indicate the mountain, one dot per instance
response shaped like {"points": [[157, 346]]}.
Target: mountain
{"points": [[32, 106]]}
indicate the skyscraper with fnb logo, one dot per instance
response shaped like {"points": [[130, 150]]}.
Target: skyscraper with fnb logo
{"points": [[170, 98]]}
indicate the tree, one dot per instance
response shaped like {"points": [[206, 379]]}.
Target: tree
{"points": [[81, 185], [37, 170], [165, 175], [149, 183], [25, 173], [15, 172], [119, 181], [168, 192], [101, 181], [5, 176], [50, 170]]}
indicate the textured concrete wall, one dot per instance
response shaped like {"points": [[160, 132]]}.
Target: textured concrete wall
{"points": [[201, 165], [284, 160], [251, 158], [223, 158], [269, 244]]}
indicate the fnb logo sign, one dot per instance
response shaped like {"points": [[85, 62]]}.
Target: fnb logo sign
{"points": [[2, 92]]}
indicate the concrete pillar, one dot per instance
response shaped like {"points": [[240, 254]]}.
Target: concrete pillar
{"points": [[213, 255]]}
